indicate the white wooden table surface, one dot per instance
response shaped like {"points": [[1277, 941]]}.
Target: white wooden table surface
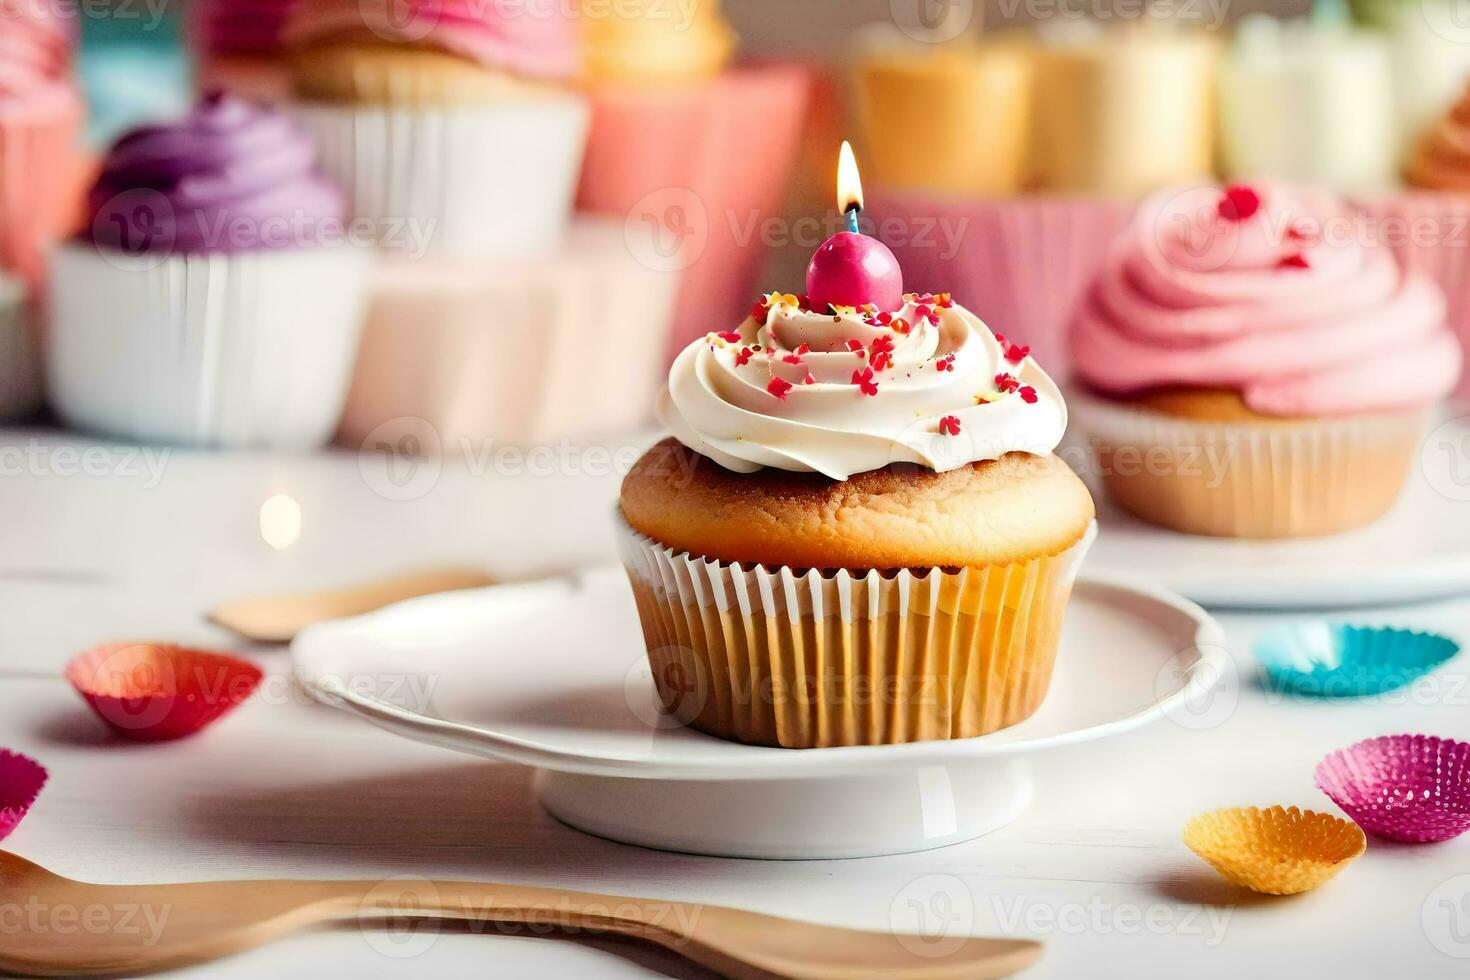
{"points": [[97, 546]]}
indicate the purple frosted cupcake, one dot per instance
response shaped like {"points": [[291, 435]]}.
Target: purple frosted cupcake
{"points": [[218, 296]]}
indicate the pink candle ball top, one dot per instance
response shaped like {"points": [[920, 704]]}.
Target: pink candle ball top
{"points": [[852, 270]]}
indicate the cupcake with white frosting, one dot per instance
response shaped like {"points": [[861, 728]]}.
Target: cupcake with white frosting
{"points": [[859, 533]]}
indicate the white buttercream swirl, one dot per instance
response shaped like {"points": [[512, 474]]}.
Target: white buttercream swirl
{"points": [[944, 369]]}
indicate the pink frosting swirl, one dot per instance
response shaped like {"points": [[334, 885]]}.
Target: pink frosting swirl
{"points": [[35, 49], [528, 37], [1268, 291]]}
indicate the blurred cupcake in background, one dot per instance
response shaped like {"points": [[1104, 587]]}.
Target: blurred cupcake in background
{"points": [[1017, 231], [453, 114], [20, 359], [41, 120], [215, 300], [239, 47], [1310, 103], [1253, 367], [1429, 41], [689, 147]]}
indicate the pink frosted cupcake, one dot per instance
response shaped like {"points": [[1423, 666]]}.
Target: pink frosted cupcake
{"points": [[685, 144], [450, 123], [240, 48], [1253, 368], [40, 126]]}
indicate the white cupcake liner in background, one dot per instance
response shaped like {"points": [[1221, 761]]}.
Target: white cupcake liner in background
{"points": [[1272, 480], [246, 349], [520, 353], [491, 181], [872, 638]]}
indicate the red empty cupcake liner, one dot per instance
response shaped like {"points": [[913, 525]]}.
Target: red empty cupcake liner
{"points": [[151, 692]]}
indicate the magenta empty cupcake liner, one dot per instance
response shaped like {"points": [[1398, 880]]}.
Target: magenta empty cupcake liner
{"points": [[1020, 263], [1413, 788], [21, 780]]}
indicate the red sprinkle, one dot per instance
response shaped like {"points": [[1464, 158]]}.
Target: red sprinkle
{"points": [[885, 318], [945, 363], [1297, 261], [810, 379], [1007, 382], [760, 309], [792, 358], [924, 310], [900, 324], [779, 387], [1016, 353], [1028, 395], [949, 426], [854, 345], [864, 380], [743, 358], [882, 345], [730, 337], [1238, 203], [882, 360]]}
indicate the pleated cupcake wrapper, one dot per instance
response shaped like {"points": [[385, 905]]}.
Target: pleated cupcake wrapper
{"points": [[1339, 661], [1275, 851], [21, 781], [708, 165], [1020, 263], [148, 692], [38, 178], [1430, 231], [1412, 788], [446, 347], [491, 181], [247, 349], [20, 361], [802, 659], [1272, 480]]}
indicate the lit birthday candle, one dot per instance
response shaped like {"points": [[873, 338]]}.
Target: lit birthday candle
{"points": [[850, 268]]}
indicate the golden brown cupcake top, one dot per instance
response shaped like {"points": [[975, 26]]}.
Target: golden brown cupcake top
{"points": [[999, 511], [1442, 160]]}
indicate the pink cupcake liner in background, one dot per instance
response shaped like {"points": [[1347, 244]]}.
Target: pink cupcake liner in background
{"points": [[457, 354], [39, 170], [1430, 231], [705, 164], [1020, 263], [1413, 788]]}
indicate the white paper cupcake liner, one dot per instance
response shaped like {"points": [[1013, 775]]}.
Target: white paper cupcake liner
{"points": [[1267, 480], [456, 354], [247, 349], [805, 658], [488, 181]]}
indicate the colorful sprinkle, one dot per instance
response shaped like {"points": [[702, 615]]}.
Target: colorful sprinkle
{"points": [[945, 363], [949, 426], [743, 358], [1296, 261], [1006, 382], [1016, 353], [1028, 395], [864, 380], [730, 337], [778, 387]]}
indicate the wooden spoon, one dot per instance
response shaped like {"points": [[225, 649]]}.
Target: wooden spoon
{"points": [[278, 618], [71, 928]]}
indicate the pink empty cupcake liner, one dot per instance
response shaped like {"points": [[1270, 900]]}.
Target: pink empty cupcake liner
{"points": [[1413, 788], [707, 165], [21, 779], [1020, 263]]}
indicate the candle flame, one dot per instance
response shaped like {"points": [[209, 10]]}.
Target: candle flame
{"points": [[849, 181]]}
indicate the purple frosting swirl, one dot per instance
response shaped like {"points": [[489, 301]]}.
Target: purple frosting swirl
{"points": [[232, 176]]}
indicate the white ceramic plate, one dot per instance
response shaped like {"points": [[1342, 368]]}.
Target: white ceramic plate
{"points": [[553, 675], [1421, 550]]}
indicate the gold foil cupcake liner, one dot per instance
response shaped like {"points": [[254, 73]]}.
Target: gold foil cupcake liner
{"points": [[809, 658], [1251, 480]]}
